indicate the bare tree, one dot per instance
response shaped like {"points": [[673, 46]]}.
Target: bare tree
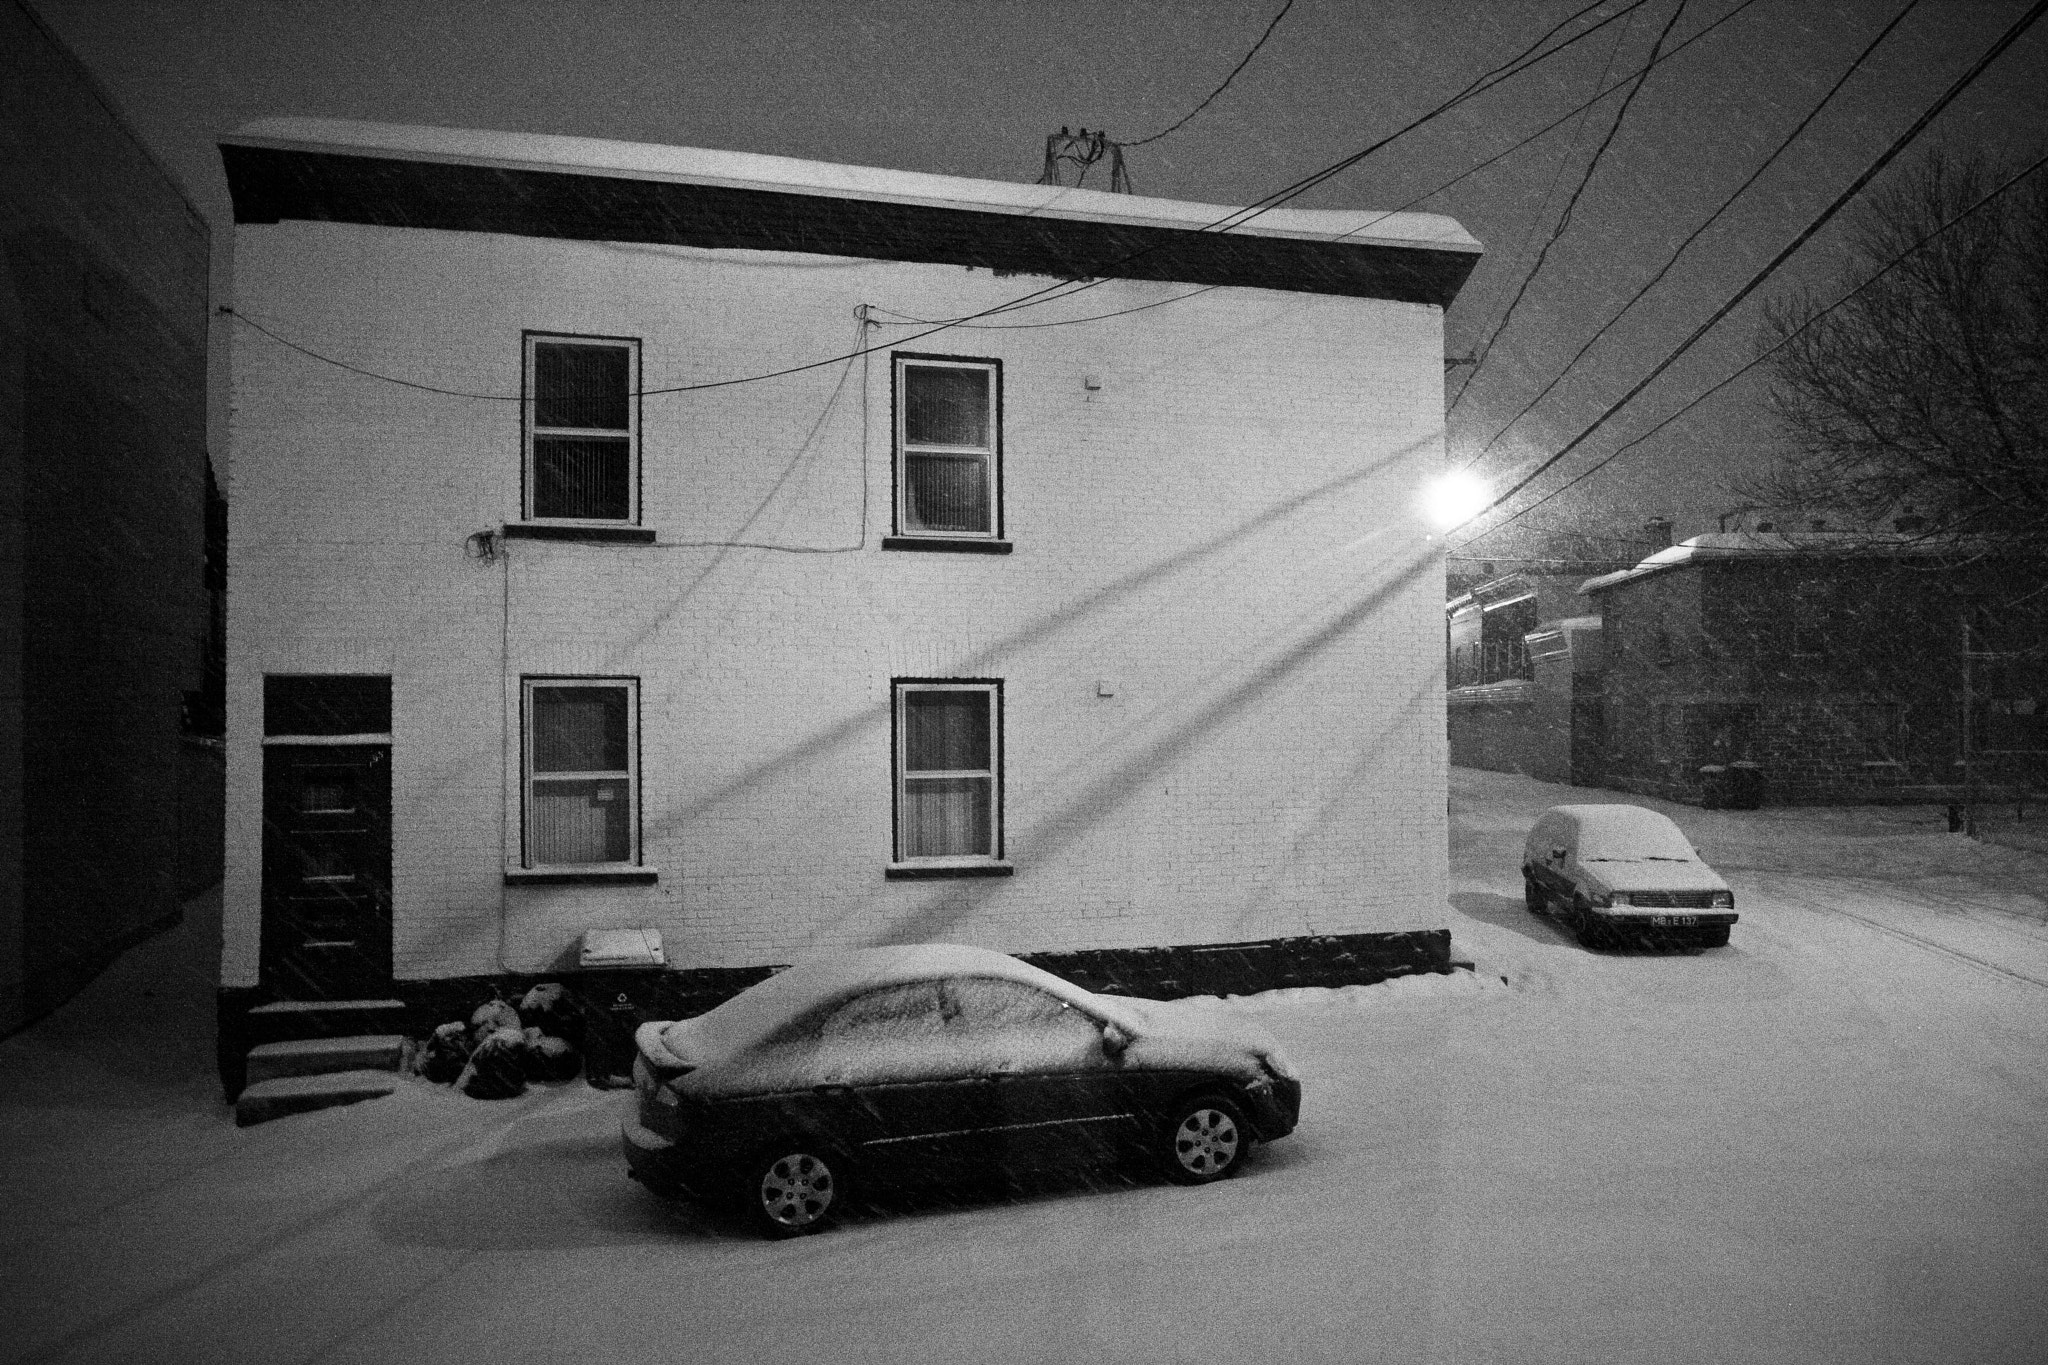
{"points": [[1927, 389]]}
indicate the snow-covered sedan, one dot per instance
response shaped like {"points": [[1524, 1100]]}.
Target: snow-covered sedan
{"points": [[935, 1062], [1613, 873]]}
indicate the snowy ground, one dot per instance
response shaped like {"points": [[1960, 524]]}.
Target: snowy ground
{"points": [[1823, 1143]]}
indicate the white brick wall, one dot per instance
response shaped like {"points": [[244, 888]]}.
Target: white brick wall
{"points": [[1223, 530]]}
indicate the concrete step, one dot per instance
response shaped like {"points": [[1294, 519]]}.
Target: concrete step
{"points": [[273, 1099], [319, 1056], [283, 1020]]}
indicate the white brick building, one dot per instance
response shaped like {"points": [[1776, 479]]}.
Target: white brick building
{"points": [[1118, 633]]}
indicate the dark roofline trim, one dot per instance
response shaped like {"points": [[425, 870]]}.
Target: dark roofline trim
{"points": [[272, 185]]}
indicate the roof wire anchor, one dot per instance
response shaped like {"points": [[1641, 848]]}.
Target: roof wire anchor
{"points": [[1082, 150]]}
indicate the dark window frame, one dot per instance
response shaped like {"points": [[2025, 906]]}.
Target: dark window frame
{"points": [[529, 430], [529, 870], [993, 864], [900, 536]]}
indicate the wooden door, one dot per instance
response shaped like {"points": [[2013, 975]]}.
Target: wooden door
{"points": [[327, 871]]}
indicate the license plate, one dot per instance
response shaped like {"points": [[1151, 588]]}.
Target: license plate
{"points": [[1674, 921]]}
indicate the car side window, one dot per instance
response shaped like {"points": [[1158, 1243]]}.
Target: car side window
{"points": [[912, 1010], [985, 1003]]}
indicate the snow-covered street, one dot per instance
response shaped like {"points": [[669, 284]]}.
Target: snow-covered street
{"points": [[1826, 1142]]}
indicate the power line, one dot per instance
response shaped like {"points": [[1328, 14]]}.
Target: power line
{"points": [[1564, 159], [1426, 195], [1221, 88], [1898, 145], [1527, 58], [1564, 219], [1694, 236], [1889, 266]]}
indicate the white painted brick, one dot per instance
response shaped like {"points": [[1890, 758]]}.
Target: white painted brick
{"points": [[1223, 528]]}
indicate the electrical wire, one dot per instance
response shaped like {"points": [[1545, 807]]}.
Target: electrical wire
{"points": [[1889, 266], [1221, 88], [1885, 158], [1712, 218], [1564, 220], [1564, 160], [1526, 59]]}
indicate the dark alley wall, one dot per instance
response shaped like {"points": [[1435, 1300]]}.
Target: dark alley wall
{"points": [[103, 609]]}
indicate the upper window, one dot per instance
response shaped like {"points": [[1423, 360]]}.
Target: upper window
{"points": [[949, 772], [948, 448], [582, 772], [582, 429]]}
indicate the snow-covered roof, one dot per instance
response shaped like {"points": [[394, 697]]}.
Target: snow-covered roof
{"points": [[1755, 545], [1624, 832], [535, 184], [752, 170]]}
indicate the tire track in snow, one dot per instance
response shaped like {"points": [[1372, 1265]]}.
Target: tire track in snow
{"points": [[1806, 893]]}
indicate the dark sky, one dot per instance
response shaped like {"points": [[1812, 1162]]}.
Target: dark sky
{"points": [[972, 89]]}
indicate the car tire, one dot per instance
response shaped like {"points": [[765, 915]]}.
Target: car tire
{"points": [[793, 1189], [1588, 930], [1715, 937], [1533, 897], [1203, 1139]]}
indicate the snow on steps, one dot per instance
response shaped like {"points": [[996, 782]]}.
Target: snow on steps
{"points": [[318, 1056], [273, 1099], [319, 1062]]}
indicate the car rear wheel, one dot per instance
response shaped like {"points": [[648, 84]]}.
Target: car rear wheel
{"points": [[1533, 897], [1205, 1139], [793, 1190]]}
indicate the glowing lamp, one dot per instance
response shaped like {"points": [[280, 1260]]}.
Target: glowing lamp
{"points": [[1454, 499]]}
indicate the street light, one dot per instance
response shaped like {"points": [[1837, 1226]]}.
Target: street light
{"points": [[1453, 499]]}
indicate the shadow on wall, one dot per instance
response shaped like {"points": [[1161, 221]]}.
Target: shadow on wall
{"points": [[830, 738], [935, 916]]}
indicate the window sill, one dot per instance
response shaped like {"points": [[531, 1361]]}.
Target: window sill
{"points": [[946, 546], [918, 872], [615, 535], [591, 876]]}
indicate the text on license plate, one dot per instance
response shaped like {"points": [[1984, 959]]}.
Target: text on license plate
{"points": [[1673, 921]]}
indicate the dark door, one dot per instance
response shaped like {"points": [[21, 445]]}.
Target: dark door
{"points": [[327, 871], [1589, 730]]}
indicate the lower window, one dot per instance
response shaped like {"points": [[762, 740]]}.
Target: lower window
{"points": [[582, 772], [949, 796]]}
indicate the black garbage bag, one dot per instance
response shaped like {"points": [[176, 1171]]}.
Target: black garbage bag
{"points": [[497, 1069], [447, 1052], [550, 1006], [489, 1017], [549, 1058]]}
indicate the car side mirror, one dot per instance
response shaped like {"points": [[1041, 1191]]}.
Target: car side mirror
{"points": [[1114, 1040], [1557, 854]]}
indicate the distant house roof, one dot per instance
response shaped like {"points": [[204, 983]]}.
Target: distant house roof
{"points": [[1762, 545], [588, 189]]}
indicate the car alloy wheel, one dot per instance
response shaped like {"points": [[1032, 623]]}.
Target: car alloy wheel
{"points": [[1206, 1140], [793, 1192]]}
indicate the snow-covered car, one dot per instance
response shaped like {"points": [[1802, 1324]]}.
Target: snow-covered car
{"points": [[937, 1062], [1613, 873]]}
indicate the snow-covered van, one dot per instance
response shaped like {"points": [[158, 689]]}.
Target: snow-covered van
{"points": [[1623, 872]]}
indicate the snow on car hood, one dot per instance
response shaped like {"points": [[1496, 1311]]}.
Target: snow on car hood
{"points": [[1648, 874], [1166, 1036]]}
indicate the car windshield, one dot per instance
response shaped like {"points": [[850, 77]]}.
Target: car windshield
{"points": [[1628, 834]]}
